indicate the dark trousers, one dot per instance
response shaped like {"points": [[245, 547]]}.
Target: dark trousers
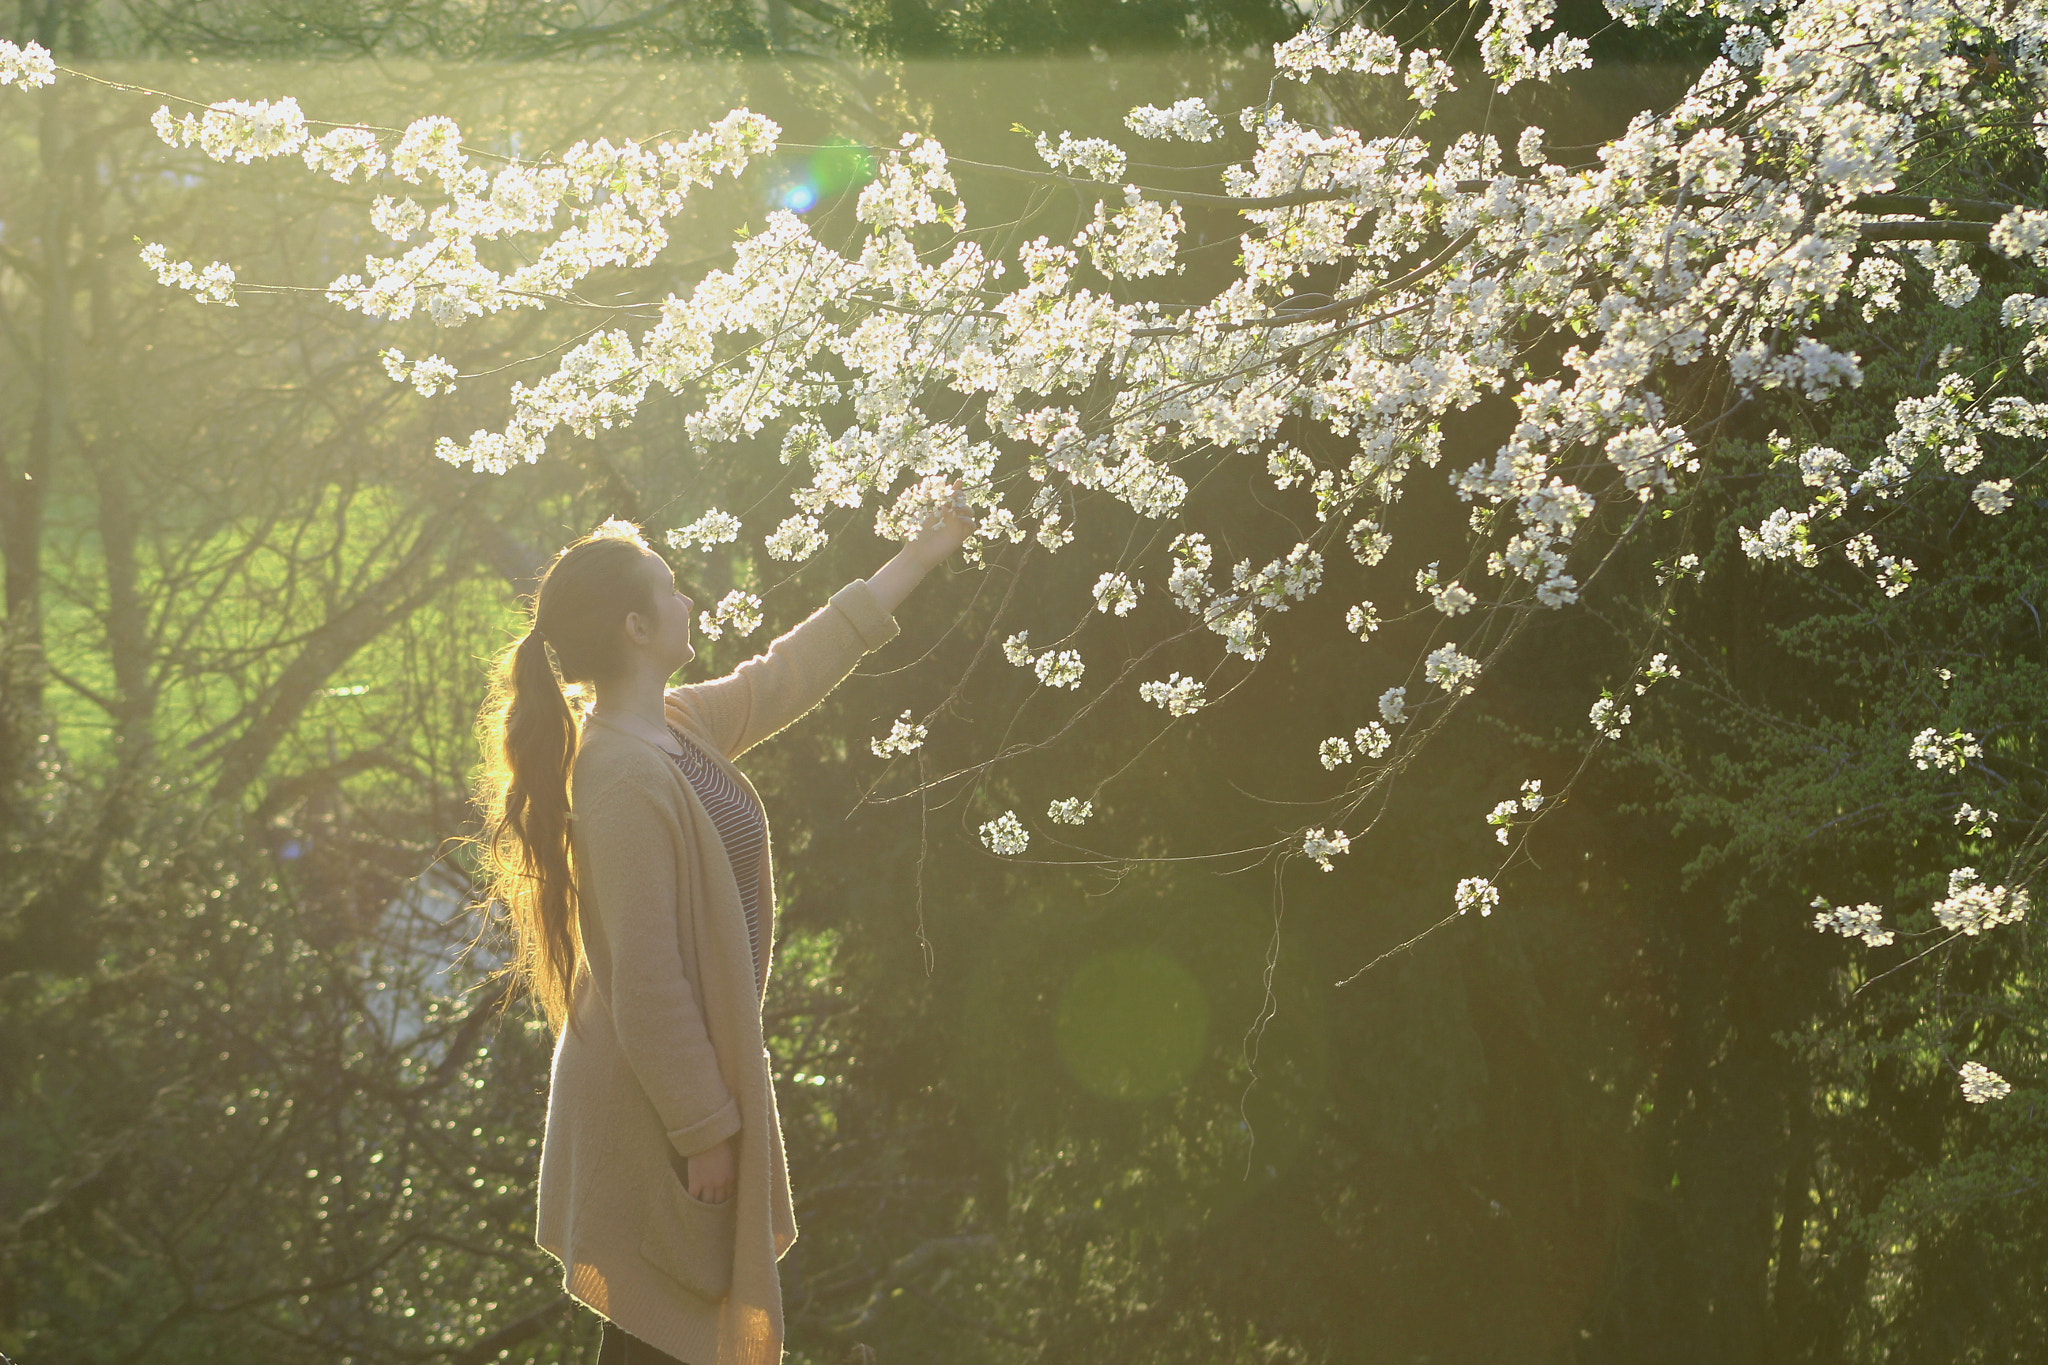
{"points": [[618, 1347]]}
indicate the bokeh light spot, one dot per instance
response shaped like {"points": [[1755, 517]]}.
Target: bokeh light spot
{"points": [[840, 165], [1133, 1024]]}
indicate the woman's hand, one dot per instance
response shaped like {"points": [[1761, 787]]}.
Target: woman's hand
{"points": [[939, 537], [944, 533], [711, 1174]]}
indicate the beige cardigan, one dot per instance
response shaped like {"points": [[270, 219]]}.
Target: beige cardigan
{"points": [[664, 1055]]}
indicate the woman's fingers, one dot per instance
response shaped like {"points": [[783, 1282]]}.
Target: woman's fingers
{"points": [[711, 1174]]}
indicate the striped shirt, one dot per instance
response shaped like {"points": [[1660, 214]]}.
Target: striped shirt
{"points": [[742, 827]]}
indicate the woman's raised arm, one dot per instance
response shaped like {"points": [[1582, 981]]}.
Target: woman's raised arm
{"points": [[773, 689]]}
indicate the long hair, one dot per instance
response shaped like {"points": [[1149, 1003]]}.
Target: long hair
{"points": [[528, 735]]}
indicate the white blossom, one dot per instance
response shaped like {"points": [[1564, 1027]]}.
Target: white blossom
{"points": [[1177, 695], [2022, 232], [1115, 593], [738, 611], [1992, 496], [905, 736], [213, 284], [397, 219], [1005, 835], [1362, 620], [1657, 670], [1608, 716], [1094, 157], [1450, 670], [713, 528], [1955, 285], [798, 537], [1783, 535], [1864, 921], [1188, 119], [1371, 739], [1357, 49], [1980, 1084], [1429, 77], [1477, 893], [1971, 907], [1394, 705], [430, 375], [429, 146], [1369, 543], [1505, 814], [1322, 845], [1932, 749], [1288, 466], [1745, 44], [237, 130], [26, 67], [1452, 599], [1683, 567], [1980, 824], [1071, 810], [1059, 669], [340, 153]]}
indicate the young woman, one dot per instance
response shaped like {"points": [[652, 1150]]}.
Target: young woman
{"points": [[633, 859]]}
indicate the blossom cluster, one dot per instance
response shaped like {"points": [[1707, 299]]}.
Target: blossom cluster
{"points": [[1320, 845], [211, 284], [1971, 907], [1176, 695], [1864, 921], [27, 66], [713, 528], [1368, 741], [738, 611], [1070, 810], [1947, 752], [905, 736], [1980, 1084], [1039, 379], [1188, 120], [1978, 824], [1005, 835], [1506, 814], [1477, 893]]}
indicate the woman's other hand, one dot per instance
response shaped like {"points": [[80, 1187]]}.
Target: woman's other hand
{"points": [[711, 1174]]}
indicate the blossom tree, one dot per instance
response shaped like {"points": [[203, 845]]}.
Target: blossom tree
{"points": [[1628, 305]]}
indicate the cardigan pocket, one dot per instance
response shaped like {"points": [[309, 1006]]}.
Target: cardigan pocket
{"points": [[689, 1240]]}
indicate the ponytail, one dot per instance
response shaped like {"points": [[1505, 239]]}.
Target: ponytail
{"points": [[528, 735]]}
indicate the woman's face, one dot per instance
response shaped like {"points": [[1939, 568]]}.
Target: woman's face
{"points": [[665, 639]]}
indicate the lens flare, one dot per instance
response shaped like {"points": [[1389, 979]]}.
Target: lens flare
{"points": [[826, 174], [1133, 1024]]}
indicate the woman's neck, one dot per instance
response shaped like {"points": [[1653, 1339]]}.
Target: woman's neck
{"points": [[636, 701], [636, 724]]}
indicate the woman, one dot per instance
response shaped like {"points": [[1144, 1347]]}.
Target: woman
{"points": [[643, 924]]}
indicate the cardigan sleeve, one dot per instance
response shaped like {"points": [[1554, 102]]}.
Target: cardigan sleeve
{"points": [[771, 690], [628, 834]]}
